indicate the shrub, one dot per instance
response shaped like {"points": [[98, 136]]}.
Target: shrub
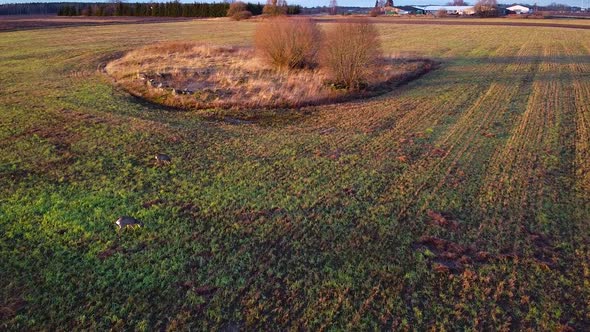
{"points": [[441, 13], [350, 53], [235, 8], [486, 8], [375, 12], [287, 43], [243, 15], [275, 8]]}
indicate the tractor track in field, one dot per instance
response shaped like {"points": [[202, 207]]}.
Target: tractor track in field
{"points": [[543, 154], [582, 123], [437, 163]]}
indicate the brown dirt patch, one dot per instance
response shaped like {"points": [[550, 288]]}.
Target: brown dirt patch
{"points": [[446, 256], [10, 307], [442, 220]]}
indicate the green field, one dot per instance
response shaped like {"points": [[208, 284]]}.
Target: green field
{"points": [[458, 201]]}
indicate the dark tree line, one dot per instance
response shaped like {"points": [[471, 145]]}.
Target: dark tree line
{"points": [[30, 8], [170, 9]]}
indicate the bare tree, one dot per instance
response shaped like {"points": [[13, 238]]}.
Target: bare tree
{"points": [[333, 7], [441, 13], [378, 8], [238, 11], [288, 44], [486, 8], [457, 3], [235, 7], [350, 54], [275, 7]]}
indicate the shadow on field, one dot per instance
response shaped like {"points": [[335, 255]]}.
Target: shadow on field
{"points": [[561, 60], [509, 69], [456, 21], [260, 117]]}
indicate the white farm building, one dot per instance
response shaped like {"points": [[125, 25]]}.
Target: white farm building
{"points": [[519, 9], [451, 10]]}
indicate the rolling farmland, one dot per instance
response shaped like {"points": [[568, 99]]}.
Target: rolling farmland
{"points": [[459, 200]]}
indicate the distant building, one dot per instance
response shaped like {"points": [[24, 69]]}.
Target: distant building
{"points": [[398, 11], [389, 10], [409, 10], [518, 9], [451, 10]]}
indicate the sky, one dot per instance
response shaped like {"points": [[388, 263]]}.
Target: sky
{"points": [[356, 3]]}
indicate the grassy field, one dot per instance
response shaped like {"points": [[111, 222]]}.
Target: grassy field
{"points": [[459, 201]]}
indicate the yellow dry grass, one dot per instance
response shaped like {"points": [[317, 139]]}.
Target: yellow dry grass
{"points": [[196, 75]]}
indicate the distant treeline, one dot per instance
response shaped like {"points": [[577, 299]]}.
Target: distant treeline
{"points": [[30, 8], [170, 9]]}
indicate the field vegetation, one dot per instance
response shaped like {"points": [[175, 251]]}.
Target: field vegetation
{"points": [[351, 54], [288, 44], [457, 201], [282, 70]]}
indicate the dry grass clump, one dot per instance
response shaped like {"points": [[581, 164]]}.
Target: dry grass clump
{"points": [[201, 76], [350, 54], [287, 43], [196, 76], [169, 48]]}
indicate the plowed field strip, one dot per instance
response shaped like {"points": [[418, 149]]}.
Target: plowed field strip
{"points": [[431, 170], [525, 172]]}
